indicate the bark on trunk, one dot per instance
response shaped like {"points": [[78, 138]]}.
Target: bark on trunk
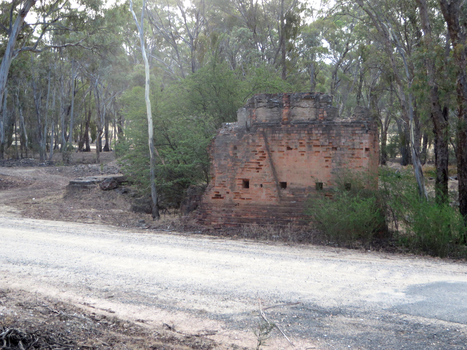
{"points": [[37, 104], [391, 41], [62, 117], [438, 115], [457, 32], [282, 43], [73, 78], [9, 51], [384, 141], [403, 142], [2, 125], [86, 141], [152, 158], [51, 151], [106, 136]]}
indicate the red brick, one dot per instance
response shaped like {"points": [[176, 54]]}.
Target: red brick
{"points": [[262, 147]]}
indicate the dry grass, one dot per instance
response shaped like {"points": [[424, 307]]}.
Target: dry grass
{"points": [[30, 321]]}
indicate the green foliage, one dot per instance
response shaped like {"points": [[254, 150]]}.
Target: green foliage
{"points": [[345, 215], [435, 228], [186, 115], [349, 212], [393, 145], [263, 333], [345, 218], [421, 225]]}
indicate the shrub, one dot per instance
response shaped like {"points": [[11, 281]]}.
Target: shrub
{"points": [[435, 228], [421, 225], [346, 218], [350, 212]]}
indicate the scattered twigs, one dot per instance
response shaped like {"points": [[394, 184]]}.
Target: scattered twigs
{"points": [[206, 333], [14, 338], [263, 315], [53, 310], [280, 305]]}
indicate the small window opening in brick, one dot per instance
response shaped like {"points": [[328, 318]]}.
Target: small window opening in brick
{"points": [[246, 183], [261, 185], [283, 185], [347, 186], [367, 150], [319, 186], [289, 148]]}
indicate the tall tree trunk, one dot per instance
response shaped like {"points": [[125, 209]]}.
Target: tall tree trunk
{"points": [[73, 78], [424, 150], [51, 154], [87, 143], [46, 122], [312, 77], [120, 123], [152, 159], [24, 139], [101, 112], [282, 43], [3, 122], [438, 116], [37, 103], [62, 117], [384, 150], [16, 140], [403, 142], [51, 151], [452, 13], [106, 136], [390, 41], [9, 50]]}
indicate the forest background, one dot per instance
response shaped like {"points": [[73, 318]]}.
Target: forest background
{"points": [[72, 74]]}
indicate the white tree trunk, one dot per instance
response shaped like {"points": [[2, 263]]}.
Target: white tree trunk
{"points": [[3, 121], [73, 78], [8, 56], [51, 154], [152, 159]]}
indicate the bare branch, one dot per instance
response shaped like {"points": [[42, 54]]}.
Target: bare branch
{"points": [[13, 5], [47, 47], [263, 315]]}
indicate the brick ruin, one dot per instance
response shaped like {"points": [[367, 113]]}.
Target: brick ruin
{"points": [[283, 148]]}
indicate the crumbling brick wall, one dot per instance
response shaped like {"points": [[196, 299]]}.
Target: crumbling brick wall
{"points": [[283, 146]]}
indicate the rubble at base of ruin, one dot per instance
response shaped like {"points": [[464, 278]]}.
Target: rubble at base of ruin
{"points": [[282, 149]]}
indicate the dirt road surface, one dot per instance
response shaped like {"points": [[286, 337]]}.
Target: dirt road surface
{"points": [[320, 297], [345, 299]]}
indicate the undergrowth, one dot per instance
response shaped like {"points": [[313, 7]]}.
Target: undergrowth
{"points": [[421, 225], [349, 214], [356, 212]]}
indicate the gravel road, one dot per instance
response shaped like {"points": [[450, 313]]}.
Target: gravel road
{"points": [[321, 298]]}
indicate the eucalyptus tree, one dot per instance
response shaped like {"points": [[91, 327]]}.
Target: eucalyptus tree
{"points": [[434, 57], [12, 31], [340, 35], [40, 82], [454, 13], [152, 149], [395, 28], [258, 32], [49, 18], [178, 28], [312, 54]]}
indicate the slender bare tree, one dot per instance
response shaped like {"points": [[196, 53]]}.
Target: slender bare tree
{"points": [[152, 159]]}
